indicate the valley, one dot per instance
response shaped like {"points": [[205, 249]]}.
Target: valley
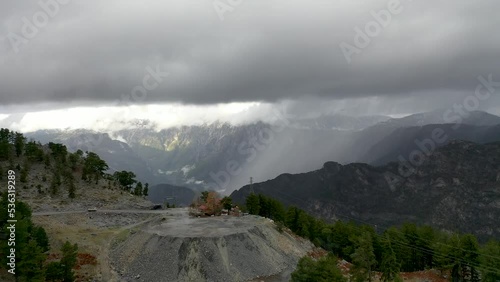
{"points": [[223, 157]]}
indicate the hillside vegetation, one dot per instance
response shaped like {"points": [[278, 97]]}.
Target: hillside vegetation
{"points": [[382, 255], [52, 178], [49, 178]]}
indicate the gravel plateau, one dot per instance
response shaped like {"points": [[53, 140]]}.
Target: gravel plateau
{"points": [[180, 248]]}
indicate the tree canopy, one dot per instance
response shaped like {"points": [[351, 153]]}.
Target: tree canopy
{"points": [[407, 248], [94, 166], [322, 270]]}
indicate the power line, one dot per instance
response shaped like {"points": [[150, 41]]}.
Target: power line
{"points": [[386, 227]]}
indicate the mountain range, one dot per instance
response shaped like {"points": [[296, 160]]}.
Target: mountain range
{"points": [[455, 188], [380, 170], [224, 157]]}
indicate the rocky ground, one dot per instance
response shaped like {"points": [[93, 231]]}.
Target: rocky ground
{"points": [[126, 240], [168, 245], [105, 194], [67, 219], [179, 248], [93, 232]]}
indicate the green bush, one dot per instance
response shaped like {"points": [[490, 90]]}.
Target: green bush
{"points": [[322, 270]]}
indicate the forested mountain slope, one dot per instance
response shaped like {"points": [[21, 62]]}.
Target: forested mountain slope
{"points": [[456, 188]]}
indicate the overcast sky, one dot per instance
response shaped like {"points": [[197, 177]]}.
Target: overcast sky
{"points": [[219, 60]]}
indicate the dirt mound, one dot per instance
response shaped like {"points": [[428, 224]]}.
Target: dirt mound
{"points": [[208, 249]]}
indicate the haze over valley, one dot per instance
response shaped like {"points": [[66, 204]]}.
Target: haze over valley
{"points": [[197, 156]]}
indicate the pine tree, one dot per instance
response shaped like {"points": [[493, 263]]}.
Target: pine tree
{"points": [[68, 261], [470, 258], [264, 209], [138, 189], [125, 178], [413, 255], [4, 144], [146, 189], [461, 255], [33, 151], [252, 203], [303, 224], [24, 173], [227, 203], [94, 166], [74, 159], [291, 218], [46, 161], [323, 270], [490, 260], [277, 210], [31, 262], [363, 259], [389, 266], [55, 183], [19, 142], [41, 238], [54, 271], [71, 190]]}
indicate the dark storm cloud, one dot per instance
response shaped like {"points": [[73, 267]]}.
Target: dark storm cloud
{"points": [[263, 50]]}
